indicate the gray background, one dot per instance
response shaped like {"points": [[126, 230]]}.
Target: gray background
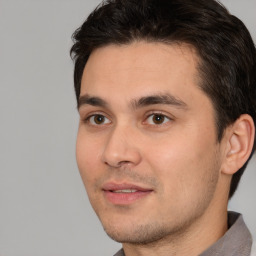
{"points": [[44, 210]]}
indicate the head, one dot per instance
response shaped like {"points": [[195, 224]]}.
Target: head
{"points": [[222, 59]]}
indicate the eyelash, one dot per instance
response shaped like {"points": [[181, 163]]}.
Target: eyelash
{"points": [[152, 114], [87, 119], [159, 114]]}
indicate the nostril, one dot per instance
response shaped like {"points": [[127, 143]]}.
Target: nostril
{"points": [[124, 162], [118, 164]]}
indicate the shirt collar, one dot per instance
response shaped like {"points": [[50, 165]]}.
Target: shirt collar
{"points": [[237, 241]]}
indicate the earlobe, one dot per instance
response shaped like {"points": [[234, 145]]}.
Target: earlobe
{"points": [[240, 144]]}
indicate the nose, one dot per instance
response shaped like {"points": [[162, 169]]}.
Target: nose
{"points": [[121, 148]]}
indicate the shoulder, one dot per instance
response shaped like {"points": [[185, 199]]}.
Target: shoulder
{"points": [[253, 252], [121, 253]]}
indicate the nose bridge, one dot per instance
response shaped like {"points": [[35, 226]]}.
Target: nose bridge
{"points": [[121, 147]]}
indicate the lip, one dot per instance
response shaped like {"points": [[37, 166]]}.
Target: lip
{"points": [[124, 198]]}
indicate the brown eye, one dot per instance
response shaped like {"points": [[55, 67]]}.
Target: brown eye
{"points": [[157, 119], [98, 120]]}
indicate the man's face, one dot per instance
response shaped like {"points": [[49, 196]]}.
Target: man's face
{"points": [[146, 148]]}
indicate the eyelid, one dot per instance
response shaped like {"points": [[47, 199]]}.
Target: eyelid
{"points": [[86, 118], [160, 113]]}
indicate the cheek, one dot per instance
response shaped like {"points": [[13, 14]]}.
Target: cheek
{"points": [[181, 162], [88, 157], [188, 177]]}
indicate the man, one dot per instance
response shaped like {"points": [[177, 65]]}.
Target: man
{"points": [[166, 95]]}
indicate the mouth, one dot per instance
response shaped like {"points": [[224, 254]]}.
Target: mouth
{"points": [[124, 191], [124, 194]]}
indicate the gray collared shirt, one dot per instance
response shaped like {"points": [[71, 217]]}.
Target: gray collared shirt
{"points": [[237, 241]]}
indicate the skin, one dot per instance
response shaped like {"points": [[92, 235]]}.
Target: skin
{"points": [[169, 149]]}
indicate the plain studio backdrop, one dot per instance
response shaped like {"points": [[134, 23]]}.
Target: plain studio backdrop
{"points": [[44, 210]]}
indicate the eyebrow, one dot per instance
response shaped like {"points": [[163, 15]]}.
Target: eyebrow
{"points": [[91, 100], [165, 99], [156, 99]]}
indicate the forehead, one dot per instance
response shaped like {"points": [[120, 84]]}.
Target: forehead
{"points": [[141, 68]]}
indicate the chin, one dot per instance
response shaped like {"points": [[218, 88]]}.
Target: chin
{"points": [[137, 233]]}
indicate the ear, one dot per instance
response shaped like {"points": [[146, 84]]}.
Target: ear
{"points": [[240, 139]]}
